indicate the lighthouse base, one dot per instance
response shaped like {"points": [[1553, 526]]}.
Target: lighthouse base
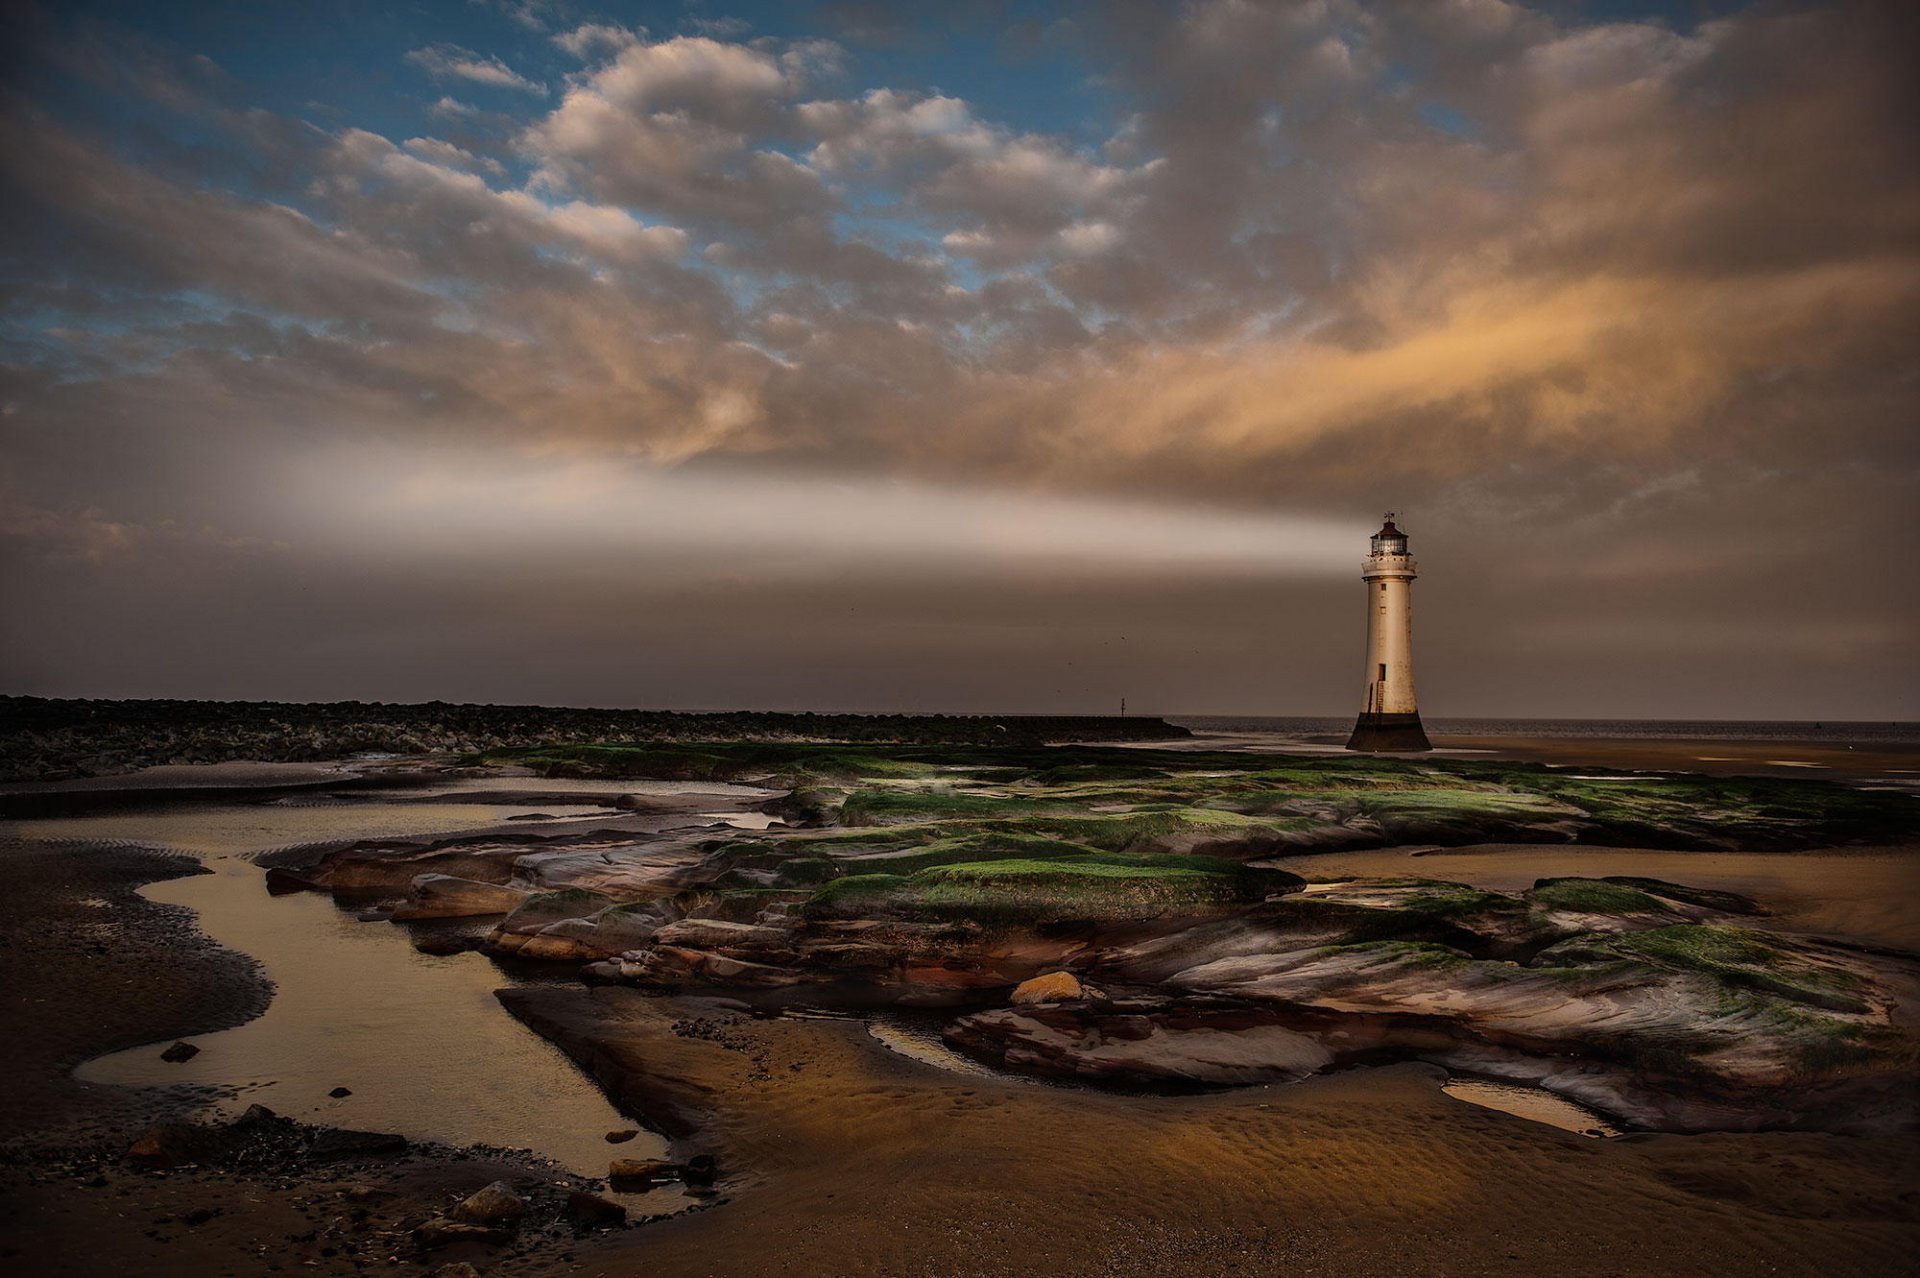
{"points": [[1389, 734]]}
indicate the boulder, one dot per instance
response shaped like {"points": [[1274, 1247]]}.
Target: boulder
{"points": [[1054, 987], [179, 1052], [444, 896], [496, 1206], [594, 1211], [456, 1269], [622, 1136]]}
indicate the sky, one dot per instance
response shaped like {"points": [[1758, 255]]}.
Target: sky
{"points": [[976, 356]]}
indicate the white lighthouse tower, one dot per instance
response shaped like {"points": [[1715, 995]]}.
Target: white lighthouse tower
{"points": [[1390, 719]]}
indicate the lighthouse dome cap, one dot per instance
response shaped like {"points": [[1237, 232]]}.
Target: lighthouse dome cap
{"points": [[1388, 530]]}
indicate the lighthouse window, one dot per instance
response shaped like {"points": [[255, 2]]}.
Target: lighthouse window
{"points": [[1383, 672]]}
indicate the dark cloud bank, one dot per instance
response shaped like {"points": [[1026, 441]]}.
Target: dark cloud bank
{"points": [[710, 373]]}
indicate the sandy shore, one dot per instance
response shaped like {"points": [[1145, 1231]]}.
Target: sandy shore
{"points": [[88, 966], [848, 1159]]}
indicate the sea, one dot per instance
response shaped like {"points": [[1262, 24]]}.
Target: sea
{"points": [[1825, 732]]}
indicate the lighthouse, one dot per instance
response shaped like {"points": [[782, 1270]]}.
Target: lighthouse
{"points": [[1390, 719]]}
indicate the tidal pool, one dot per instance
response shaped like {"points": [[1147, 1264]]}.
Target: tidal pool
{"points": [[420, 1042], [1534, 1103]]}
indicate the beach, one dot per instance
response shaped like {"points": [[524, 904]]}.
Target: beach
{"points": [[840, 1155]]}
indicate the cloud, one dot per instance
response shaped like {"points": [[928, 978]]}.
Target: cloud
{"points": [[451, 62], [1637, 284], [591, 38], [447, 155], [670, 125]]}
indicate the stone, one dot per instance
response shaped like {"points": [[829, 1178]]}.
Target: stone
{"points": [[339, 1092], [176, 1144], [640, 1169], [442, 1231], [1054, 987], [456, 1269], [338, 1142], [254, 1116], [496, 1205], [179, 1052], [699, 1170], [622, 1136], [593, 1210]]}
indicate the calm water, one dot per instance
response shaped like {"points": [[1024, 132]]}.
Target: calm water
{"points": [[1533, 1103], [421, 1041], [1832, 732]]}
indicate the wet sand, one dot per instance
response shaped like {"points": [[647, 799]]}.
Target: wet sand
{"points": [[845, 1158], [87, 965]]}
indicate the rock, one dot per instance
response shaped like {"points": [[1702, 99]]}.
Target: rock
{"points": [[198, 1216], [339, 1142], [641, 1169], [456, 1269], [446, 896], [441, 1231], [699, 1170], [285, 882], [599, 935], [339, 1092], [254, 1116], [179, 1052], [622, 1136], [496, 1205], [1054, 987], [1163, 1045], [176, 1144], [732, 939], [591, 1209]]}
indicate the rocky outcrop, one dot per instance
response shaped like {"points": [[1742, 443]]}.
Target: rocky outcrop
{"points": [[602, 933]]}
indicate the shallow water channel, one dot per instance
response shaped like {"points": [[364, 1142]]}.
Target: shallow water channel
{"points": [[420, 1042]]}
